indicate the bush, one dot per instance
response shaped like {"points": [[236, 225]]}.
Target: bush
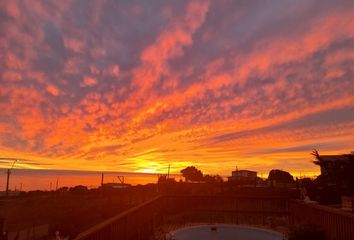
{"points": [[79, 189]]}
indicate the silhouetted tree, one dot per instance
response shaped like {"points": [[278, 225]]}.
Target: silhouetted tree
{"points": [[78, 189], [62, 189], [212, 178], [164, 179], [317, 156], [192, 174], [318, 160], [280, 176]]}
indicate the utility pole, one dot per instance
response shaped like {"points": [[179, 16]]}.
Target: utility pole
{"points": [[168, 171], [8, 181], [102, 179], [56, 186], [8, 178]]}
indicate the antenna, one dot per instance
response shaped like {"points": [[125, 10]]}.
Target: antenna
{"points": [[56, 186], [13, 164], [121, 179]]}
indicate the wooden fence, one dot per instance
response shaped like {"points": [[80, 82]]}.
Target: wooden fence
{"points": [[139, 223], [338, 225], [134, 224], [223, 209]]}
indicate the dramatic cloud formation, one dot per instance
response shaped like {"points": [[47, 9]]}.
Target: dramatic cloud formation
{"points": [[135, 85]]}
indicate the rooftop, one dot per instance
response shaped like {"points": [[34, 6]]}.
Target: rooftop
{"points": [[328, 158]]}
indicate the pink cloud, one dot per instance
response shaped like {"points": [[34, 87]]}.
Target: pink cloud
{"points": [[11, 76], [74, 45], [169, 45], [88, 82]]}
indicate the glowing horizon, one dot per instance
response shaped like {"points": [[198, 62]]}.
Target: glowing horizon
{"points": [[133, 87]]}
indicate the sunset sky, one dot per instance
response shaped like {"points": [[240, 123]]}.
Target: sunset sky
{"points": [[136, 85]]}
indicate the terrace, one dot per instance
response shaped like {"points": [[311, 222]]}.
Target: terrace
{"points": [[165, 215]]}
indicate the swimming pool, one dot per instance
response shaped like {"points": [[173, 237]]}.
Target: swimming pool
{"points": [[223, 232]]}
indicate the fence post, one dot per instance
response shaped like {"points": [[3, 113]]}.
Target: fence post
{"points": [[2, 229], [262, 205]]}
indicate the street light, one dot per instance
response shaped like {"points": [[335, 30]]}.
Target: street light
{"points": [[8, 177]]}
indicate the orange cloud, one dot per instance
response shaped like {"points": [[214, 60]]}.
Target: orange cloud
{"points": [[53, 90]]}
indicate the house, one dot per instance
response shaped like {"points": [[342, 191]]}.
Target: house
{"points": [[331, 163], [337, 171], [243, 177], [115, 186]]}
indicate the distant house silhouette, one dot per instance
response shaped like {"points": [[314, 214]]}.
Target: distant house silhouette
{"points": [[243, 177], [115, 185]]}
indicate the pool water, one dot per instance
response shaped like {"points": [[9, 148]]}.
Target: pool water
{"points": [[223, 232]]}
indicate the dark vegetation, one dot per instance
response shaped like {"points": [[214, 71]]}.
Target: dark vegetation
{"points": [[192, 174], [280, 176]]}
